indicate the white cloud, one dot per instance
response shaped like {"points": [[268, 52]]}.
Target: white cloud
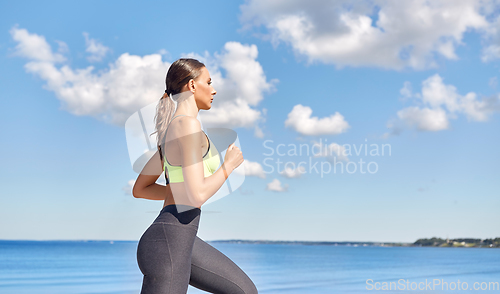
{"points": [[35, 47], [490, 53], [132, 82], [252, 168], [424, 119], [163, 52], [476, 110], [331, 150], [438, 103], [128, 188], [95, 48], [258, 132], [62, 47], [435, 93], [276, 186], [293, 173], [491, 39], [301, 121], [406, 91], [390, 34], [493, 82]]}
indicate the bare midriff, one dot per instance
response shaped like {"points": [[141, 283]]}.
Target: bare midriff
{"points": [[177, 189]]}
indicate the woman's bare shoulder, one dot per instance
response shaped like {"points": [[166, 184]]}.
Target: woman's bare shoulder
{"points": [[188, 136], [188, 125]]}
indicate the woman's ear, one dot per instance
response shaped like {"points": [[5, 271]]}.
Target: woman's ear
{"points": [[191, 85]]}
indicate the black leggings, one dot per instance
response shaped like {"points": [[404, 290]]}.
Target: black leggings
{"points": [[171, 256]]}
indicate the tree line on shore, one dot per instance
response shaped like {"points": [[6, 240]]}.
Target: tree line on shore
{"points": [[460, 242]]}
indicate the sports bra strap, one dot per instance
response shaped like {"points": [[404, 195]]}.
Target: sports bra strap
{"points": [[165, 135], [176, 116]]}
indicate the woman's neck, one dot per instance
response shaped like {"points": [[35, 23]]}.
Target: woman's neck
{"points": [[188, 107]]}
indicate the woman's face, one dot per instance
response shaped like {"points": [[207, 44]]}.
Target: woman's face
{"points": [[204, 91]]}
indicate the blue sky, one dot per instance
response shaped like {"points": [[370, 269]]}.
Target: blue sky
{"points": [[422, 80]]}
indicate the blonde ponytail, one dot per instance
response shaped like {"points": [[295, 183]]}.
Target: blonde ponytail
{"points": [[164, 113]]}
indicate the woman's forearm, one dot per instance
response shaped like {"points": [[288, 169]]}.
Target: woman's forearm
{"points": [[154, 192], [213, 183]]}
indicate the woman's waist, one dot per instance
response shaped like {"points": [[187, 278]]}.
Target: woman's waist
{"points": [[179, 214]]}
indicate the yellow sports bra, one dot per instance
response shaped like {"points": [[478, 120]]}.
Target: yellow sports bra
{"points": [[210, 163]]}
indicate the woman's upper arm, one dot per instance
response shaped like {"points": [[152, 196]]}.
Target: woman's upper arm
{"points": [[149, 174], [192, 161]]}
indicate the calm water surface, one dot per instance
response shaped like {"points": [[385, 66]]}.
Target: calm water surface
{"points": [[111, 267]]}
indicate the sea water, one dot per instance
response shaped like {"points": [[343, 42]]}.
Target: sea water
{"points": [[77, 267]]}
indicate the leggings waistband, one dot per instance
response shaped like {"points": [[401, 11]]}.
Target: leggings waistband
{"points": [[175, 208], [185, 214]]}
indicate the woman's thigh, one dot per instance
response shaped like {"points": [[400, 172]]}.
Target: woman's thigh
{"points": [[214, 272]]}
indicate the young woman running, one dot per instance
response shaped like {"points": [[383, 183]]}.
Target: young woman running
{"points": [[169, 253]]}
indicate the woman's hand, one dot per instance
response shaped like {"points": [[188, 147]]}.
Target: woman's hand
{"points": [[233, 157]]}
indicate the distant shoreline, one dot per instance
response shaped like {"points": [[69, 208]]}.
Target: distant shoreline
{"points": [[357, 244], [433, 242]]}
